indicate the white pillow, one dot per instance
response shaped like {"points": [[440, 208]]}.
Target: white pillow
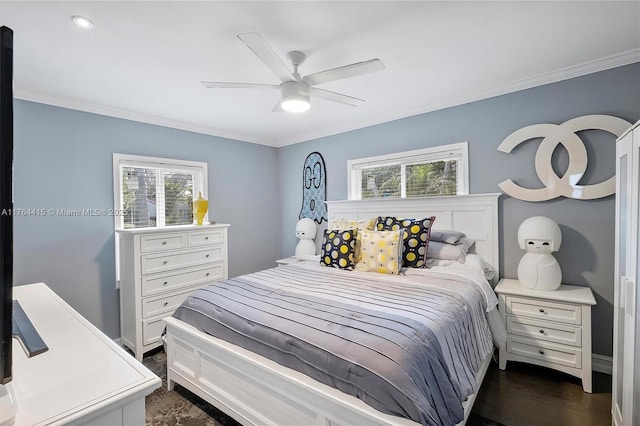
{"points": [[444, 251], [473, 263]]}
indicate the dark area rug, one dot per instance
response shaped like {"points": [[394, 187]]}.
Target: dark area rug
{"points": [[180, 407]]}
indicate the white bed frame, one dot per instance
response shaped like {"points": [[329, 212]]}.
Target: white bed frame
{"points": [[257, 391]]}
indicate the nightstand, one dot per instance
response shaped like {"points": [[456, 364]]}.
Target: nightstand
{"points": [[548, 328]]}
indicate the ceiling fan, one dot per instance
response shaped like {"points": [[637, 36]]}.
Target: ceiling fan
{"points": [[296, 90]]}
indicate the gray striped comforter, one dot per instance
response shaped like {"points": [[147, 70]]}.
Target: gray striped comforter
{"points": [[407, 345]]}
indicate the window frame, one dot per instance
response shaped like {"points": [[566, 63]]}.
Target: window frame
{"points": [[406, 158], [200, 181]]}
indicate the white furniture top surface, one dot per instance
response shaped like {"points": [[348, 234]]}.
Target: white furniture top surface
{"points": [[566, 293], [82, 369], [177, 228]]}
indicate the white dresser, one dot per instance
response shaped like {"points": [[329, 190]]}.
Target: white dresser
{"points": [[548, 328], [159, 268], [83, 379]]}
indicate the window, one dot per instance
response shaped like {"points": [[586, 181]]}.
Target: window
{"points": [[441, 170], [156, 192]]}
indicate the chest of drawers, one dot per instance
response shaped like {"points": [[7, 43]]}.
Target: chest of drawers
{"points": [[548, 328], [159, 268]]}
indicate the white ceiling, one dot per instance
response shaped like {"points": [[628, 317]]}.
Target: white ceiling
{"points": [[144, 60]]}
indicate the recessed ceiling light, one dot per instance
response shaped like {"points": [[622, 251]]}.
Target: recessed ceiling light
{"points": [[81, 21]]}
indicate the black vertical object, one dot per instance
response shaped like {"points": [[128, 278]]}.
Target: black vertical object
{"points": [[6, 201]]}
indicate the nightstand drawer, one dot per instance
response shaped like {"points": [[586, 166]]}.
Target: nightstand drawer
{"points": [[548, 352], [543, 330], [157, 284], [545, 310], [205, 237], [161, 262], [161, 242]]}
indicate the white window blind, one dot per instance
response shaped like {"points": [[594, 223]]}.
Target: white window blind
{"points": [[441, 170], [156, 192]]}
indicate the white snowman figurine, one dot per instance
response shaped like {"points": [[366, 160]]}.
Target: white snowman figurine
{"points": [[306, 232], [539, 236]]}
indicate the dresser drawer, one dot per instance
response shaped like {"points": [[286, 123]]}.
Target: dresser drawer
{"points": [[158, 305], [165, 262], [161, 242], [205, 237], [161, 283], [543, 351], [152, 330], [544, 330], [545, 310]]}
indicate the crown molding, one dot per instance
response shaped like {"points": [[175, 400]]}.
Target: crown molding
{"points": [[79, 105], [602, 64]]}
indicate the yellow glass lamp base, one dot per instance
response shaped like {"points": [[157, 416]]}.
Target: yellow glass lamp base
{"points": [[200, 207]]}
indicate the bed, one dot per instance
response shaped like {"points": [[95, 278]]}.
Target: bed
{"points": [[255, 389]]}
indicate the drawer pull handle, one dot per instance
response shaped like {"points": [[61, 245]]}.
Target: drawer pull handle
{"points": [[541, 331], [165, 262], [165, 283], [164, 243], [207, 274], [206, 238], [541, 352], [166, 303], [541, 310], [207, 256]]}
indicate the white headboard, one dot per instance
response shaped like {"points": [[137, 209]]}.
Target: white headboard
{"points": [[476, 215]]}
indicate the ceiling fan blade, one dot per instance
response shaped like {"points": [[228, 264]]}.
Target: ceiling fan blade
{"points": [[346, 71], [262, 50], [228, 85], [335, 97], [278, 107]]}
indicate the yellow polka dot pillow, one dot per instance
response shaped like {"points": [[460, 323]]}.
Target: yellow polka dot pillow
{"points": [[415, 239], [361, 225], [381, 252], [338, 248]]}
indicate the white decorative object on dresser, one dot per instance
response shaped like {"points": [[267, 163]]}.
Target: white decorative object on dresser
{"points": [[626, 300], [548, 328], [159, 268], [83, 379]]}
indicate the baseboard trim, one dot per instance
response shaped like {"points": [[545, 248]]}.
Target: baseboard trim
{"points": [[602, 364]]}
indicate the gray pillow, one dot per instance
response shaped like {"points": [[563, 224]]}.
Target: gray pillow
{"points": [[444, 251], [450, 237]]}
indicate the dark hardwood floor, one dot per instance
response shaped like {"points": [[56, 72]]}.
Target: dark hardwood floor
{"points": [[527, 395]]}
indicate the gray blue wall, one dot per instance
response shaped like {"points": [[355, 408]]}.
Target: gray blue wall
{"points": [[586, 255], [63, 160]]}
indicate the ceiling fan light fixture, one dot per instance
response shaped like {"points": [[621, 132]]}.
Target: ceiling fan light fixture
{"points": [[295, 104], [295, 96]]}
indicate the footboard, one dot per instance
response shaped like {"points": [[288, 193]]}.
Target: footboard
{"points": [[257, 391]]}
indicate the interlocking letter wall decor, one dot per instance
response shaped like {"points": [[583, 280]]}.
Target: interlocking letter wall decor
{"points": [[565, 134], [314, 189]]}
